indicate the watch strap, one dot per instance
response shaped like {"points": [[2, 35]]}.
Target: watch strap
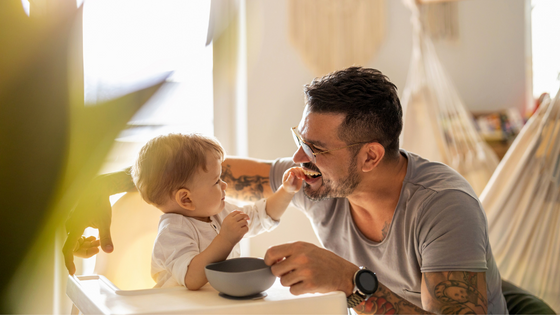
{"points": [[354, 300]]}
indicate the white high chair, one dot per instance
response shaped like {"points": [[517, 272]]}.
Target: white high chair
{"points": [[123, 284]]}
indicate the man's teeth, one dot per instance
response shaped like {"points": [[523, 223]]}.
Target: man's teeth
{"points": [[311, 173]]}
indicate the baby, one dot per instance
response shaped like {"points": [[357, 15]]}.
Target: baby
{"points": [[180, 175]]}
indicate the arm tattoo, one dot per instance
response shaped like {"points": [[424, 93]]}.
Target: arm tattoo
{"points": [[458, 293], [247, 188], [386, 302]]}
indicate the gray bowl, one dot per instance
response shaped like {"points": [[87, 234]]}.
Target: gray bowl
{"points": [[239, 277]]}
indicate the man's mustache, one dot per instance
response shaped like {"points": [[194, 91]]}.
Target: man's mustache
{"points": [[310, 166]]}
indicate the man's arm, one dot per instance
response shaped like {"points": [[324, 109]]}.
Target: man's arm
{"points": [[306, 268], [247, 179], [449, 292], [455, 292], [94, 210]]}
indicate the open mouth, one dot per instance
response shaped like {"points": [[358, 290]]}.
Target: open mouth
{"points": [[311, 174]]}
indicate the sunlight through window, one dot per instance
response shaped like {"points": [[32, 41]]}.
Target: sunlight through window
{"points": [[546, 46], [129, 42]]}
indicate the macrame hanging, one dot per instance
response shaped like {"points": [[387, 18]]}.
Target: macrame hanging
{"points": [[440, 20], [522, 202], [436, 123], [334, 34]]}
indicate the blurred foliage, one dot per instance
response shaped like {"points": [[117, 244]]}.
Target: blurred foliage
{"points": [[51, 145]]}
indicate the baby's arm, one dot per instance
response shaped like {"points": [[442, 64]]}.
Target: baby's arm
{"points": [[291, 183], [233, 228]]}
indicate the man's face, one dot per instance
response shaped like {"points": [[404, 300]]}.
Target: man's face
{"points": [[334, 174]]}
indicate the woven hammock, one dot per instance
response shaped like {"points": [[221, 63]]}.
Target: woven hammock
{"points": [[436, 124], [522, 202]]}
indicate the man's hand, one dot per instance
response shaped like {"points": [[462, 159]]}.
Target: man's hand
{"points": [[235, 225], [306, 268], [93, 210]]}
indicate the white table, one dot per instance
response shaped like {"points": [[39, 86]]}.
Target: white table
{"points": [[95, 294]]}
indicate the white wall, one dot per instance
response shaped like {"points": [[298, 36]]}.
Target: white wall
{"points": [[487, 66]]}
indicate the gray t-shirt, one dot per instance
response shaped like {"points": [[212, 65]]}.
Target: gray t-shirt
{"points": [[438, 225]]}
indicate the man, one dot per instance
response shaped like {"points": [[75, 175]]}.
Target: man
{"points": [[402, 234]]}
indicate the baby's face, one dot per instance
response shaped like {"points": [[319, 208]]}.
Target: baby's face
{"points": [[208, 191]]}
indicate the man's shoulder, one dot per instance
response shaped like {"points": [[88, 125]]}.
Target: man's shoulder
{"points": [[435, 177]]}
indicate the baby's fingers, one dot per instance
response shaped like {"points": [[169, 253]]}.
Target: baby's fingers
{"points": [[86, 247], [238, 215]]}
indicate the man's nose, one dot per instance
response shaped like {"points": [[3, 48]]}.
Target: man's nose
{"points": [[300, 156]]}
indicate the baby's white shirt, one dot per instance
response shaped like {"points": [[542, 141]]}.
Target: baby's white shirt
{"points": [[181, 238]]}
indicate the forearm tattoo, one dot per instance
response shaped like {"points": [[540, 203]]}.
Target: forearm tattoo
{"points": [[458, 293], [246, 188], [386, 302]]}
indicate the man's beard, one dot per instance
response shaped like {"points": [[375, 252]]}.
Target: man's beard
{"points": [[330, 189]]}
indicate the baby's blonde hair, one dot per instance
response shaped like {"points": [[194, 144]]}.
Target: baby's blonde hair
{"points": [[167, 163]]}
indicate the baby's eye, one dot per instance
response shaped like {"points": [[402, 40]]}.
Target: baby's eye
{"points": [[218, 181]]}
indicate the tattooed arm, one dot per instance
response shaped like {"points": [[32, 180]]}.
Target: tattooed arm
{"points": [[442, 293], [306, 268], [247, 179], [455, 292], [385, 301]]}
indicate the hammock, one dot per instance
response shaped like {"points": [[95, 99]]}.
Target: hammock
{"points": [[436, 124], [522, 201]]}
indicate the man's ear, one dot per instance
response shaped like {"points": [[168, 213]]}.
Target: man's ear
{"points": [[183, 199], [374, 154]]}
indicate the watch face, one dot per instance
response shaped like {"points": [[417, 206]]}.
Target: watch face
{"points": [[367, 282]]}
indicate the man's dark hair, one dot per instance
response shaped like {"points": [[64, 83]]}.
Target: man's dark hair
{"points": [[369, 102]]}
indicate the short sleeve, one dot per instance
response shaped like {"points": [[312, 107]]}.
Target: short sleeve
{"points": [[174, 248], [453, 233]]}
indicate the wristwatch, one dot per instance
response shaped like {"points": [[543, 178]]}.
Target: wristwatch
{"points": [[365, 285]]}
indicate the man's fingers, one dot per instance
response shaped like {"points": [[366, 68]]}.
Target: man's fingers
{"points": [[105, 238], [278, 252], [299, 288], [68, 251], [285, 267], [290, 278]]}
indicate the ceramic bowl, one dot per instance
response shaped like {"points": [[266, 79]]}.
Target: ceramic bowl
{"points": [[240, 277]]}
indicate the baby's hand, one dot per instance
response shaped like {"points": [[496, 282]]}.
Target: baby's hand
{"points": [[235, 225], [293, 179], [86, 247]]}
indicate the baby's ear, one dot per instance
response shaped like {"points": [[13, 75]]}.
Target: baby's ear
{"points": [[183, 198]]}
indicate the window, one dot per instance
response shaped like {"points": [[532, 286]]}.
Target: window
{"points": [[128, 42], [546, 47]]}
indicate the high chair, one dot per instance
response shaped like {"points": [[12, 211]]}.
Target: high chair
{"points": [[123, 284]]}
